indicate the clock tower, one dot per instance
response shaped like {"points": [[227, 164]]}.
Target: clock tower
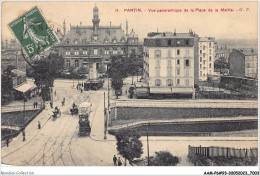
{"points": [[95, 21]]}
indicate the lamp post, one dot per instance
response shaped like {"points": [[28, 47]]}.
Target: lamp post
{"points": [[105, 115], [148, 164], [23, 126]]}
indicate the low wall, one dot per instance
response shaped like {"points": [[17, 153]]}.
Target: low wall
{"points": [[128, 113], [196, 128]]}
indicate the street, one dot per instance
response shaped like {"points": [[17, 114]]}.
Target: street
{"points": [[57, 143]]}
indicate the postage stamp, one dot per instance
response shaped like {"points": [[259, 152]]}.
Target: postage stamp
{"points": [[33, 32]]}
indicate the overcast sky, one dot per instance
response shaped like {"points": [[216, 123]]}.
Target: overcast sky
{"points": [[221, 25]]}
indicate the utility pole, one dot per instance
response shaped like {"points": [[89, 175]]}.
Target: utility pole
{"points": [[23, 126], [105, 119], [148, 144]]}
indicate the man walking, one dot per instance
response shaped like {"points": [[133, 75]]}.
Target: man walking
{"points": [[36, 104], [114, 160]]}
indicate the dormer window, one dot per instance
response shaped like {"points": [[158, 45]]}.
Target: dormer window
{"points": [[114, 41], [178, 42], [67, 42]]}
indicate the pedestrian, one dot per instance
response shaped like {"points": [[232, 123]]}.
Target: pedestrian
{"points": [[33, 104], [81, 90], [23, 135], [119, 162], [114, 160], [39, 125], [63, 101], [7, 142], [36, 104], [51, 104], [55, 92]]}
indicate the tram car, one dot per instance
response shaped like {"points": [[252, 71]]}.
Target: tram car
{"points": [[93, 84], [142, 90], [84, 123]]}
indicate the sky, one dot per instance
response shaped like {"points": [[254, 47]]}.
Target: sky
{"points": [[221, 25]]}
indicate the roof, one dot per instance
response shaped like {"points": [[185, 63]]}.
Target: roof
{"points": [[106, 33], [247, 52], [18, 72], [222, 51], [171, 35], [206, 39], [85, 104], [25, 87]]}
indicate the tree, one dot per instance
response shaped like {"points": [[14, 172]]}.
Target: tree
{"points": [[131, 66], [102, 69], [129, 145], [164, 158], [117, 72], [221, 64], [45, 71], [6, 88]]}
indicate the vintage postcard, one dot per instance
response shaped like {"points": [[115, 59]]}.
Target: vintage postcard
{"points": [[122, 83]]}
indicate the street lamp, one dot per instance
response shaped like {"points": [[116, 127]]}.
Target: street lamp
{"points": [[105, 121], [148, 144], [23, 126]]}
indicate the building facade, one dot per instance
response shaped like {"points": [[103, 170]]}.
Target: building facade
{"points": [[243, 63], [93, 46], [206, 57], [169, 63]]}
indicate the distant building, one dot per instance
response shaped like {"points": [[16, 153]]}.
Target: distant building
{"points": [[206, 57], [93, 46], [243, 63], [169, 63], [11, 55], [222, 54]]}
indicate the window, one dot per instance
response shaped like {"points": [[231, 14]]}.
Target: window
{"points": [[67, 42], [178, 82], [169, 42], [210, 65], [169, 82], [178, 61], [67, 53], [187, 63], [169, 53], [200, 66], [204, 62], [95, 51], [106, 51], [76, 63], [114, 41], [210, 45], [187, 52], [157, 72], [114, 51], [169, 63], [204, 47], [178, 52], [200, 51], [204, 55], [209, 58], [187, 72], [157, 82], [157, 63], [204, 68], [122, 50], [157, 53], [247, 65], [209, 51], [187, 82], [200, 73], [200, 59], [178, 71], [187, 42], [169, 72], [76, 52], [67, 63], [85, 52]]}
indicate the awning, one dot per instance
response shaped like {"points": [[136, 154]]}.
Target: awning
{"points": [[25, 87], [169, 90]]}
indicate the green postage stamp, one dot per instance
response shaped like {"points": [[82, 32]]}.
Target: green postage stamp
{"points": [[33, 32]]}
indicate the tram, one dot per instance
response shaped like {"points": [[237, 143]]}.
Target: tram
{"points": [[84, 123]]}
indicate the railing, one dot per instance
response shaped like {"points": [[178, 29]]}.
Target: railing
{"points": [[223, 151], [188, 104], [20, 108]]}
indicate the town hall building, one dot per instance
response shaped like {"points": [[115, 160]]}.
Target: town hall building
{"points": [[93, 46]]}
